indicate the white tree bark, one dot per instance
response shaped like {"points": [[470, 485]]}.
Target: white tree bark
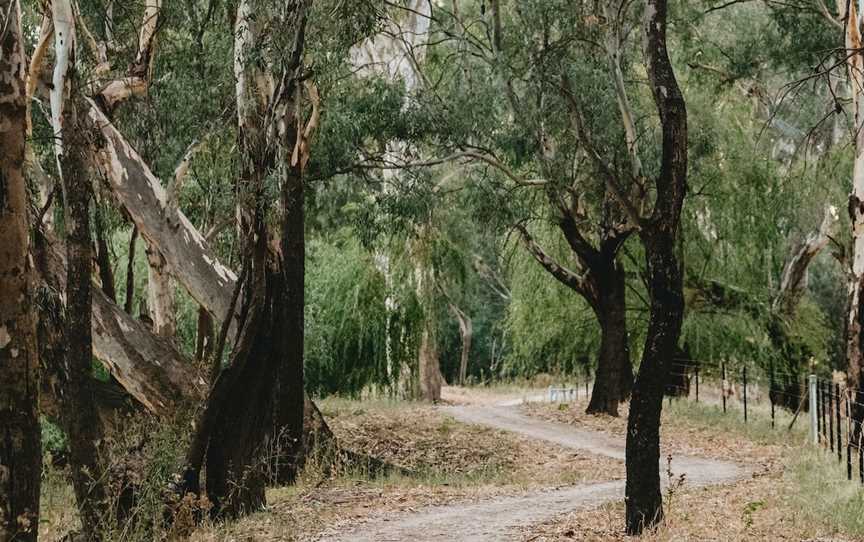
{"points": [[187, 254], [396, 54], [64, 51], [854, 327]]}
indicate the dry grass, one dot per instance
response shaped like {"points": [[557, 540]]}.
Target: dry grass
{"points": [[694, 429], [57, 512], [754, 509], [438, 449]]}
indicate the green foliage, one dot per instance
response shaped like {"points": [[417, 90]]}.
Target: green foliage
{"points": [[550, 329], [347, 321]]}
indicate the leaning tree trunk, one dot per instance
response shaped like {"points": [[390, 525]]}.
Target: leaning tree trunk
{"points": [[20, 441], [643, 500], [614, 378], [79, 411]]}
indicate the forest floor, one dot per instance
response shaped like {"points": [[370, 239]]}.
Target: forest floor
{"points": [[484, 466]]}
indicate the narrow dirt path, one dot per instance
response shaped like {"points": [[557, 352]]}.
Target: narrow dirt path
{"points": [[500, 518]]}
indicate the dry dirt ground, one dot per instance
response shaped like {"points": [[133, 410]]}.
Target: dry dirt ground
{"points": [[477, 470], [449, 463]]}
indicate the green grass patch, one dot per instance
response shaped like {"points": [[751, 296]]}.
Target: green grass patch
{"points": [[821, 491]]}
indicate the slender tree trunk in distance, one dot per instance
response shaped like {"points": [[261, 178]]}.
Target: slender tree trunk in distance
{"points": [[466, 333], [204, 336], [614, 377], [130, 272], [660, 235], [20, 436], [103, 258], [430, 372]]}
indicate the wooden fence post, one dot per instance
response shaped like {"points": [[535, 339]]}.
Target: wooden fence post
{"points": [[744, 378], [839, 428]]}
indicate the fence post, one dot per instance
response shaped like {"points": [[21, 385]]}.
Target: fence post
{"points": [[839, 428], [697, 382], [814, 418], [848, 440], [860, 459], [723, 366], [771, 392], [830, 415], [822, 427], [744, 378]]}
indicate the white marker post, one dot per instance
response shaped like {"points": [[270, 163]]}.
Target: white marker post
{"points": [[814, 428]]}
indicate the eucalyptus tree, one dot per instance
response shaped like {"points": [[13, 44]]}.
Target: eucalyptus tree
{"points": [[855, 318], [20, 435], [397, 53], [510, 105]]}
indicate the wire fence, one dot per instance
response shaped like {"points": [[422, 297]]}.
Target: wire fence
{"points": [[837, 427], [835, 411]]}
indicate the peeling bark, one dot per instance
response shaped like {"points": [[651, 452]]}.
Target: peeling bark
{"points": [[147, 366], [20, 440], [187, 254], [855, 306], [160, 295]]}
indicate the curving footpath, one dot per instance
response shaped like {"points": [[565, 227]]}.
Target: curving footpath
{"points": [[501, 518]]}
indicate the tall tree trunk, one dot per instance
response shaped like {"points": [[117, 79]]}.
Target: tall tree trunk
{"points": [[237, 455], [20, 440], [614, 377], [266, 385], [644, 505], [643, 498], [855, 306], [289, 414], [79, 411]]}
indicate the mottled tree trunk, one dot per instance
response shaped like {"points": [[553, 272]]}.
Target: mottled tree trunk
{"points": [[20, 442], [855, 306], [614, 377]]}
